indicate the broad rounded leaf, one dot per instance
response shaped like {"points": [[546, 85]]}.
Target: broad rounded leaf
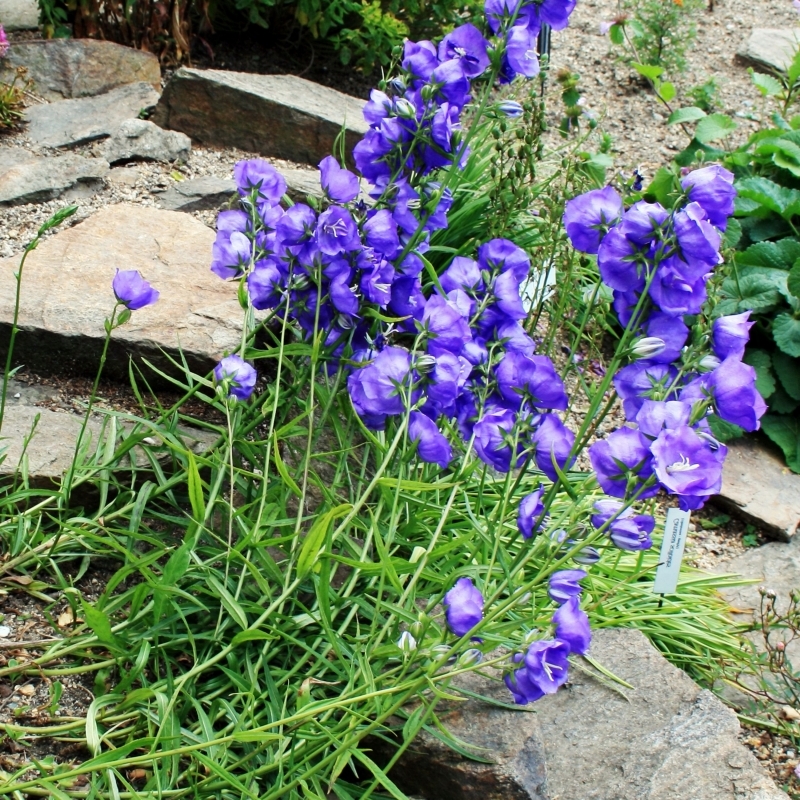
{"points": [[793, 281], [752, 292], [713, 128], [784, 430], [762, 363], [788, 371], [687, 114], [786, 332]]}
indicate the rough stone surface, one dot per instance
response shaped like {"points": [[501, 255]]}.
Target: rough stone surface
{"points": [[302, 182], [66, 294], [775, 566], [19, 15], [275, 115], [773, 48], [27, 178], [140, 139], [72, 122], [68, 68], [759, 487], [50, 451], [198, 194], [665, 739]]}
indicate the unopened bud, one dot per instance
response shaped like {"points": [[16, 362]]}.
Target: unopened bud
{"points": [[471, 656], [397, 85], [405, 108], [510, 109], [708, 363], [648, 347], [425, 364], [427, 92], [780, 646], [407, 643], [588, 556]]}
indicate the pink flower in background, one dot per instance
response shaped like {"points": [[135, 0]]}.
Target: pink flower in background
{"points": [[4, 43], [605, 27], [796, 5]]}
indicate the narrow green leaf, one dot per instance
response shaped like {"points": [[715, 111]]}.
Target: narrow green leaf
{"points": [[315, 538], [228, 601], [284, 473], [196, 496]]}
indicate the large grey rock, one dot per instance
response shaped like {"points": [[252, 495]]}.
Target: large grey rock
{"points": [[773, 48], [28, 178], [776, 567], [68, 68], [665, 739], [759, 487], [140, 139], [52, 439], [275, 115], [19, 15], [66, 294], [71, 122], [198, 194], [300, 183]]}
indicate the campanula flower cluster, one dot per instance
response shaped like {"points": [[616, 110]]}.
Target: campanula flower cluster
{"points": [[658, 263]]}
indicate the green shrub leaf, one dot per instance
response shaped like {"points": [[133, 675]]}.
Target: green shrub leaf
{"points": [[788, 371], [650, 71], [714, 127], [775, 255], [793, 281], [762, 363], [781, 403], [687, 114], [766, 84], [771, 195], [752, 292], [786, 332], [784, 430], [724, 431]]}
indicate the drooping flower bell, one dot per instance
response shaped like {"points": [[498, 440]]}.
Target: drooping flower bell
{"points": [[237, 376], [463, 607], [132, 290]]}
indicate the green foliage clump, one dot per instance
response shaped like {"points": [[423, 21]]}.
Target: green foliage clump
{"points": [[763, 276], [363, 32], [11, 100], [661, 31]]}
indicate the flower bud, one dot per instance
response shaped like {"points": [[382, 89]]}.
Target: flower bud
{"points": [[588, 556], [648, 347], [407, 643], [510, 109], [425, 364], [471, 656], [397, 85], [427, 92], [405, 108], [708, 363], [780, 646]]}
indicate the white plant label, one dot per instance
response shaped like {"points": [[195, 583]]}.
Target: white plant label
{"points": [[669, 565]]}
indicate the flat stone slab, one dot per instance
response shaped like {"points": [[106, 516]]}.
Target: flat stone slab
{"points": [[300, 183], [68, 68], [776, 567], [72, 122], [198, 194], [275, 115], [19, 15], [51, 448], [141, 140], [67, 295], [28, 178], [758, 487], [773, 48], [665, 739]]}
